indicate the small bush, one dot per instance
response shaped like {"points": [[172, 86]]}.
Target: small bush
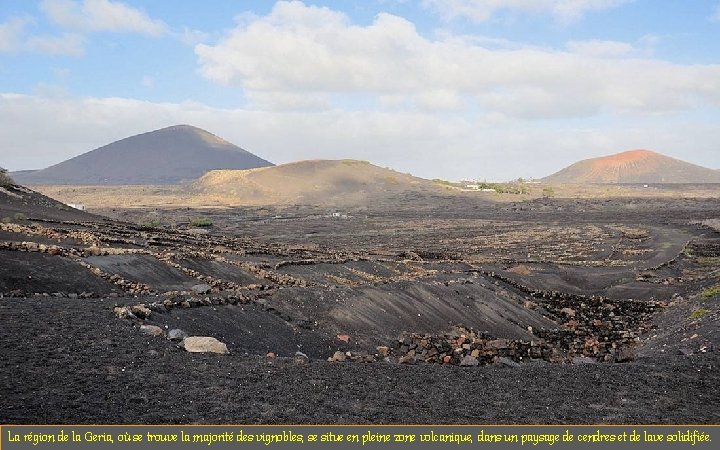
{"points": [[20, 217], [698, 313], [505, 188], [709, 261], [201, 222], [548, 192], [710, 292], [5, 179], [150, 225]]}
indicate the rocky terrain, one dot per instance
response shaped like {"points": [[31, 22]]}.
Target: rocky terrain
{"points": [[427, 309]]}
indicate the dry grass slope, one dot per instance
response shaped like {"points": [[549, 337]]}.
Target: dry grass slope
{"points": [[318, 182]]}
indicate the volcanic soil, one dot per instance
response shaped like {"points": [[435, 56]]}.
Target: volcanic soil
{"points": [[438, 310]]}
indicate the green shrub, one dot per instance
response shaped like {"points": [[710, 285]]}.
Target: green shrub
{"points": [[20, 217], [5, 179], [710, 292], [548, 192], [150, 224], [201, 222], [505, 188], [698, 313], [709, 261]]}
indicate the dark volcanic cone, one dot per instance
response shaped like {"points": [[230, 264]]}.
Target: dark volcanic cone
{"points": [[166, 156]]}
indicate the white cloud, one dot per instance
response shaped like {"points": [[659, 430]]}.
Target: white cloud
{"points": [[192, 37], [49, 90], [15, 37], [69, 44], [319, 52], [482, 10], [102, 15], [287, 100], [426, 144], [716, 16], [11, 33], [601, 48]]}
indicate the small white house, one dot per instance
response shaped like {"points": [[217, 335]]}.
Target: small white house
{"points": [[79, 206]]}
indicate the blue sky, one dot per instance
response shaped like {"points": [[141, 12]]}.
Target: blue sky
{"points": [[453, 89]]}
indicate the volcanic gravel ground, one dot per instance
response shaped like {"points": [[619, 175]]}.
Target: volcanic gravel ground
{"points": [[72, 361], [642, 350]]}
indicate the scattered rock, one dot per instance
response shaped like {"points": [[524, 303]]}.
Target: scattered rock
{"points": [[204, 344], [176, 334], [343, 337], [624, 354], [54, 250], [339, 356], [408, 359], [583, 360], [497, 344], [201, 289], [469, 361], [93, 251], [300, 358], [151, 330], [685, 351], [507, 362], [141, 311], [122, 312]]}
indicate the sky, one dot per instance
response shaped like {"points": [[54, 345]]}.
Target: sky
{"points": [[452, 89]]}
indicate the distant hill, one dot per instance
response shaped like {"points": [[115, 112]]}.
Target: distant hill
{"points": [[634, 166], [320, 182], [166, 156]]}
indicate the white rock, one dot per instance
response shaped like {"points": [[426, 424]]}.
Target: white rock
{"points": [[204, 344]]}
